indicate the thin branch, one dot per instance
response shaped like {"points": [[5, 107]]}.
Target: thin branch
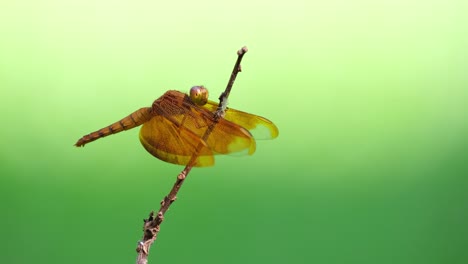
{"points": [[151, 226], [223, 98]]}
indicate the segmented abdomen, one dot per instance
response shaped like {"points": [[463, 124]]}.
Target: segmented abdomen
{"points": [[133, 120]]}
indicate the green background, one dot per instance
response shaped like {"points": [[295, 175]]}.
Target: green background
{"points": [[370, 98]]}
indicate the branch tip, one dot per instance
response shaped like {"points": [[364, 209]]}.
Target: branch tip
{"points": [[242, 51]]}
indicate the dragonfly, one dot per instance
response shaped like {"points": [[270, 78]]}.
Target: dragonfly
{"points": [[173, 129]]}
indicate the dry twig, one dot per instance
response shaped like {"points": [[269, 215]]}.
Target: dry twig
{"points": [[152, 225]]}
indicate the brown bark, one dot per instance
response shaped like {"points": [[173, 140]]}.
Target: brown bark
{"points": [[151, 226]]}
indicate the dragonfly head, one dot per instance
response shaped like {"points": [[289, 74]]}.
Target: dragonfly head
{"points": [[199, 95]]}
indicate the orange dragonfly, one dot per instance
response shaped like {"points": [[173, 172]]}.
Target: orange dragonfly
{"points": [[174, 126]]}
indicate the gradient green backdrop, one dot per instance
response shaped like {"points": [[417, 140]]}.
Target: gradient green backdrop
{"points": [[370, 98]]}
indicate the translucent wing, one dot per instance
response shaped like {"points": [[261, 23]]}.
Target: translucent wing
{"points": [[176, 132], [173, 144], [259, 127]]}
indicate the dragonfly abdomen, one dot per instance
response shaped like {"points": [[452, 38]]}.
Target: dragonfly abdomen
{"points": [[133, 120]]}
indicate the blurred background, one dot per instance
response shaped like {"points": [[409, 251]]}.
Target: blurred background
{"points": [[370, 98]]}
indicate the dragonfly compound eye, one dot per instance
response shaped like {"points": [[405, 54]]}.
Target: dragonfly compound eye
{"points": [[199, 95]]}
